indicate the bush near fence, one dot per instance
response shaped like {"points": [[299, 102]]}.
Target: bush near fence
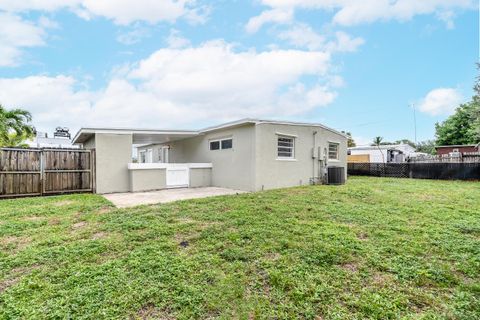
{"points": [[443, 171]]}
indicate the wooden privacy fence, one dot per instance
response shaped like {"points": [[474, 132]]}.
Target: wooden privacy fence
{"points": [[34, 172], [444, 171]]}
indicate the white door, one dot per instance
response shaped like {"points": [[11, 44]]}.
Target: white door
{"points": [[177, 176]]}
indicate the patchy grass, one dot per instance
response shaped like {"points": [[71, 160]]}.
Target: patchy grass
{"points": [[374, 248]]}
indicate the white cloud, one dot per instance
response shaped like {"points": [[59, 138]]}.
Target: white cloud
{"points": [[269, 16], [345, 43], [440, 101], [133, 36], [51, 100], [36, 5], [181, 86], [15, 35], [127, 11], [122, 12], [354, 12], [303, 36], [176, 41]]}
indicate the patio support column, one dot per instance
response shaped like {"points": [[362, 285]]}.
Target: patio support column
{"points": [[113, 154]]}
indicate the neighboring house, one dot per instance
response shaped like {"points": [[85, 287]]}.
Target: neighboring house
{"points": [[61, 139], [248, 154], [457, 149], [382, 153]]}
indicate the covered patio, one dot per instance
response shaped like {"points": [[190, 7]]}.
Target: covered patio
{"points": [[117, 173]]}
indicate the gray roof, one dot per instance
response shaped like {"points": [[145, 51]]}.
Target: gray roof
{"points": [[147, 136]]}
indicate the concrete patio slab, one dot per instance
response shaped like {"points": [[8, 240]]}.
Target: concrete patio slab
{"points": [[131, 199]]}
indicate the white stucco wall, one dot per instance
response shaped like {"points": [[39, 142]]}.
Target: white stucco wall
{"points": [[272, 172], [113, 153], [232, 168]]}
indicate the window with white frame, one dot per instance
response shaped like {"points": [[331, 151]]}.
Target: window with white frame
{"points": [[142, 156], [285, 147], [333, 151], [221, 144], [163, 154]]}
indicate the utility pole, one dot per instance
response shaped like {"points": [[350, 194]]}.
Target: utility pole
{"points": [[414, 121]]}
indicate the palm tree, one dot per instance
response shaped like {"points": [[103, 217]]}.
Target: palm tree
{"points": [[14, 140], [14, 122], [377, 141]]}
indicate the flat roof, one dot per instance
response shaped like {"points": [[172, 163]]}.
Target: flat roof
{"points": [[382, 146], [458, 146], [140, 136], [149, 136], [266, 121]]}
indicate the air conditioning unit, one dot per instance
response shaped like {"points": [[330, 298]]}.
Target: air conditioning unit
{"points": [[336, 175]]}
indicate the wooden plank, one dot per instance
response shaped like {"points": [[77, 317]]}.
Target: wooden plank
{"points": [[2, 184], [33, 171], [64, 170], [3, 196], [93, 168]]}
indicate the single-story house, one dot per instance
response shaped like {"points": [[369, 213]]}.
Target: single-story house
{"points": [[457, 149], [248, 154], [381, 154]]}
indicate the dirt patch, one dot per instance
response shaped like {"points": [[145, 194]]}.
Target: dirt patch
{"points": [[63, 203], [149, 311], [7, 283], [32, 218], [185, 220], [362, 236], [351, 267], [79, 225], [54, 222], [382, 279], [104, 210], [274, 256], [99, 235], [15, 275], [19, 243]]}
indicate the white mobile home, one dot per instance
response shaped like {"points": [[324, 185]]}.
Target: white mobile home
{"points": [[248, 154], [384, 153]]}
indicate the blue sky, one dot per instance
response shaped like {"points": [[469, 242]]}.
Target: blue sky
{"points": [[352, 65]]}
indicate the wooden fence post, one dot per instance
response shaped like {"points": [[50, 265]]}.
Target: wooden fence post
{"points": [[42, 172]]}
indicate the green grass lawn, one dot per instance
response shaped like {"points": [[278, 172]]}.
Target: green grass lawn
{"points": [[375, 248]]}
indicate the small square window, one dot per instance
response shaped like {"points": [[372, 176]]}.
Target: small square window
{"points": [[333, 151], [285, 147], [227, 144], [215, 145]]}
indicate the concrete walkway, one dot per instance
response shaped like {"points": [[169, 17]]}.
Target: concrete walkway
{"points": [[131, 199]]}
